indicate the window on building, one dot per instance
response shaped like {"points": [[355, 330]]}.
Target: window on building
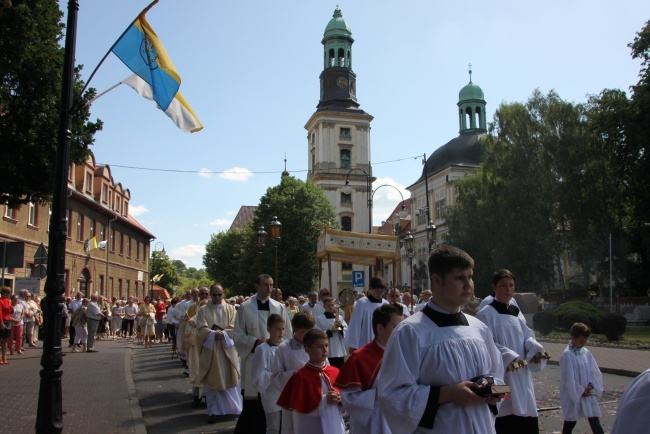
{"points": [[104, 193], [101, 284], [125, 211], [345, 158], [346, 198], [346, 266], [121, 244], [128, 289], [128, 247], [137, 250], [91, 228], [68, 222], [440, 205], [33, 215], [109, 290], [345, 133], [111, 241], [10, 213], [80, 227], [117, 204], [346, 223], [89, 182], [144, 254], [422, 211], [102, 233], [119, 288]]}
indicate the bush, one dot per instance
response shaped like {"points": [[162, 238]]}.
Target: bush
{"points": [[573, 317], [613, 326], [544, 321], [590, 314]]}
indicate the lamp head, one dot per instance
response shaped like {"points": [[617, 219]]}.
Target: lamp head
{"points": [[276, 228]]}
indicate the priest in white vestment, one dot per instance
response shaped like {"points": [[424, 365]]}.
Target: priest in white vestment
{"points": [[427, 377], [250, 331], [360, 327], [219, 362]]}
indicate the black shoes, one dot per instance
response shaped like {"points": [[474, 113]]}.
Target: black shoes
{"points": [[196, 402]]}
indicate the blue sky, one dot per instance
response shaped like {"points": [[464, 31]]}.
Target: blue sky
{"points": [[250, 68]]}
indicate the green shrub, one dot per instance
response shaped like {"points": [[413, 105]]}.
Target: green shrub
{"points": [[573, 317], [587, 310], [544, 321], [613, 326]]}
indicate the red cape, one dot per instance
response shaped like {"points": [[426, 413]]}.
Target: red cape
{"points": [[361, 368], [304, 391]]}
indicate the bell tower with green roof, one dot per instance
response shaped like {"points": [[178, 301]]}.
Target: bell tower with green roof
{"points": [[338, 141], [471, 109]]}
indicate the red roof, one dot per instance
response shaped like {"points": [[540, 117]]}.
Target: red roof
{"points": [[243, 218], [159, 291]]}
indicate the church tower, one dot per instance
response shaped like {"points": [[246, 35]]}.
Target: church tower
{"points": [[338, 139]]}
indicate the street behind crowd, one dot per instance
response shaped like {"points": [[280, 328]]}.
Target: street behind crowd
{"points": [[125, 388]]}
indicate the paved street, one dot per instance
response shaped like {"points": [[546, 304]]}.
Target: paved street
{"points": [[128, 389]]}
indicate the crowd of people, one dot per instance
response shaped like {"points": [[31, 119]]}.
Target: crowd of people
{"points": [[21, 317], [391, 363]]}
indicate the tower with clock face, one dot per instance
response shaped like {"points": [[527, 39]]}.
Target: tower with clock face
{"points": [[338, 138]]}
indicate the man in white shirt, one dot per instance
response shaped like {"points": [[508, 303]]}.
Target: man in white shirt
{"points": [[311, 306], [130, 312], [93, 315], [74, 305]]}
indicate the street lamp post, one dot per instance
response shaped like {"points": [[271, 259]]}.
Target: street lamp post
{"points": [[409, 241], [155, 256], [276, 229], [261, 244], [431, 234], [49, 416]]}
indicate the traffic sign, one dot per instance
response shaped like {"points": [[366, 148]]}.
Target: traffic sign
{"points": [[358, 279]]}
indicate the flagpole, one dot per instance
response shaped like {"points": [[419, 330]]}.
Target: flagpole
{"points": [[144, 11], [103, 93]]}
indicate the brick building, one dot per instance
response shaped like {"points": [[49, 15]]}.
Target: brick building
{"points": [[97, 208]]}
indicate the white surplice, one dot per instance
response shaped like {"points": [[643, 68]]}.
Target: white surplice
{"points": [[262, 366], [516, 341], [577, 371], [419, 355], [336, 342], [326, 419], [360, 330], [289, 357], [364, 410], [632, 413], [250, 325]]}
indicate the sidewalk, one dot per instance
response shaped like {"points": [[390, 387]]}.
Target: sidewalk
{"points": [[629, 363]]}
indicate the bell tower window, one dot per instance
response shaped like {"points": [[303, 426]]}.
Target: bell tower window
{"points": [[345, 159]]}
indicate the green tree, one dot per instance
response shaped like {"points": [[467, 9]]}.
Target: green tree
{"points": [[180, 266], [224, 259], [508, 212], [304, 211], [31, 65], [231, 257], [162, 265]]}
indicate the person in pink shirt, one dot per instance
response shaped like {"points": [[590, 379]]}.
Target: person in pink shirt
{"points": [[16, 326]]}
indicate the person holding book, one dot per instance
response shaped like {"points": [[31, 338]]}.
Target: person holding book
{"points": [[436, 358]]}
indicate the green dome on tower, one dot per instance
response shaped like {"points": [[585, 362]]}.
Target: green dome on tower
{"points": [[337, 26], [471, 92]]}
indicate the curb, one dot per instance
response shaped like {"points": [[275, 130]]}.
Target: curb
{"points": [[613, 371], [134, 403]]}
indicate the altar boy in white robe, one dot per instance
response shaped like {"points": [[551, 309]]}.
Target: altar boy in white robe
{"points": [[290, 356], [427, 382], [521, 355], [334, 327], [360, 327], [357, 380]]}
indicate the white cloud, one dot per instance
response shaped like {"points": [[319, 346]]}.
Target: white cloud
{"points": [[205, 173], [137, 210], [236, 174], [189, 252], [221, 222], [386, 197]]}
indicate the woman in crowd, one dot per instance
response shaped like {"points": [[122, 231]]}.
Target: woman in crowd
{"points": [[66, 318], [5, 321], [16, 326], [172, 321], [147, 321], [118, 314], [31, 323], [78, 321]]}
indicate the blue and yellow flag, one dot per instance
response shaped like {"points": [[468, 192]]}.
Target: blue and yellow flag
{"points": [[143, 53]]}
